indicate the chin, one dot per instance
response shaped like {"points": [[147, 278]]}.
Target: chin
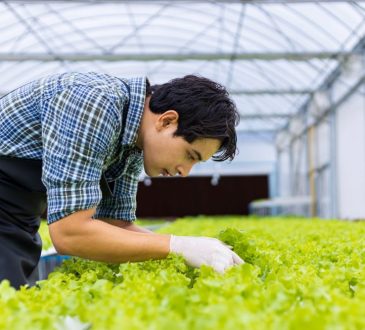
{"points": [[150, 172], [149, 169]]}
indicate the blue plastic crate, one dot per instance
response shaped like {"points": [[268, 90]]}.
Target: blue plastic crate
{"points": [[48, 262]]}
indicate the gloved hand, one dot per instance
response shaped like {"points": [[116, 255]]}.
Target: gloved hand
{"points": [[204, 250]]}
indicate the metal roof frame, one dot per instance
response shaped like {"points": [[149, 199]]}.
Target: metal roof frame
{"points": [[271, 59]]}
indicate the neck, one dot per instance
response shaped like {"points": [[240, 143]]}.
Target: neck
{"points": [[144, 119]]}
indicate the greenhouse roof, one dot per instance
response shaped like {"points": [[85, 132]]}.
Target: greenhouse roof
{"points": [[271, 55]]}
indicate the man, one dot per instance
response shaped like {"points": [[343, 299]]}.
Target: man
{"points": [[77, 143]]}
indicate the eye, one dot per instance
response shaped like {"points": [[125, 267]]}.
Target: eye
{"points": [[190, 157]]}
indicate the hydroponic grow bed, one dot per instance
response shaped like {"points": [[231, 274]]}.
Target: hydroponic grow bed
{"points": [[299, 274]]}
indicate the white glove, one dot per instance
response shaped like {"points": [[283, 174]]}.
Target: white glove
{"points": [[204, 250]]}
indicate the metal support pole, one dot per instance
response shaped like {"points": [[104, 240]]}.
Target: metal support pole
{"points": [[278, 170], [312, 171], [291, 168], [333, 162]]}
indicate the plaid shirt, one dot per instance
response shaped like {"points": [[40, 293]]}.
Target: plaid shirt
{"points": [[73, 123]]}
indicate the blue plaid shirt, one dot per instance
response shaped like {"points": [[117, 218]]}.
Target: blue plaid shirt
{"points": [[73, 123]]}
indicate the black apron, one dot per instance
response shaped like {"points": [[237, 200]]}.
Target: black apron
{"points": [[23, 200]]}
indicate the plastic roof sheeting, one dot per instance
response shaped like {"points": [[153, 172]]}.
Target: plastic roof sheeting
{"points": [[271, 56]]}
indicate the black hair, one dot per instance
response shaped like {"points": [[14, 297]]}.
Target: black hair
{"points": [[148, 88], [205, 111]]}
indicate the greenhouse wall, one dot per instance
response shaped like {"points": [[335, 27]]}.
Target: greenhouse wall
{"points": [[351, 157], [322, 167], [283, 188], [299, 167], [325, 157], [343, 151]]}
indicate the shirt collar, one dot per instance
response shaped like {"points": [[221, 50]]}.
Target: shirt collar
{"points": [[137, 96]]}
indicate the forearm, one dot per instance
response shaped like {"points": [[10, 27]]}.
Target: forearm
{"points": [[127, 225], [138, 229], [97, 240]]}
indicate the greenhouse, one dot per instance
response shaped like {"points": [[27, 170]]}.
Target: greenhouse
{"points": [[182, 164]]}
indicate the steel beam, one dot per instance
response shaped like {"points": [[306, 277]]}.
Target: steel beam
{"points": [[271, 91], [253, 92], [328, 110], [86, 57], [257, 131], [266, 116], [327, 84], [245, 2]]}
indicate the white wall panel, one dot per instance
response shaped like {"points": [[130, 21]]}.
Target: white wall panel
{"points": [[284, 173], [322, 144], [351, 157], [323, 190], [299, 167]]}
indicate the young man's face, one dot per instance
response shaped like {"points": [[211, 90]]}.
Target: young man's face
{"points": [[167, 155]]}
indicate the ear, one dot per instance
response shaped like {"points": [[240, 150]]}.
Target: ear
{"points": [[167, 119]]}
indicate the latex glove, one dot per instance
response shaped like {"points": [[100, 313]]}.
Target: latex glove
{"points": [[199, 251]]}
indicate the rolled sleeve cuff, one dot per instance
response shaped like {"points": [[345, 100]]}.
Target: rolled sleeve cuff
{"points": [[67, 200], [123, 208]]}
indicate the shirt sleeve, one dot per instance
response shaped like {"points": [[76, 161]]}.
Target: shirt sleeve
{"points": [[123, 204], [79, 125]]}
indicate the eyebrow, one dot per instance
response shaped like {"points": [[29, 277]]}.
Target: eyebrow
{"points": [[197, 153]]}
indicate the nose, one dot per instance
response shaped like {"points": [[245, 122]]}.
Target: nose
{"points": [[184, 170]]}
